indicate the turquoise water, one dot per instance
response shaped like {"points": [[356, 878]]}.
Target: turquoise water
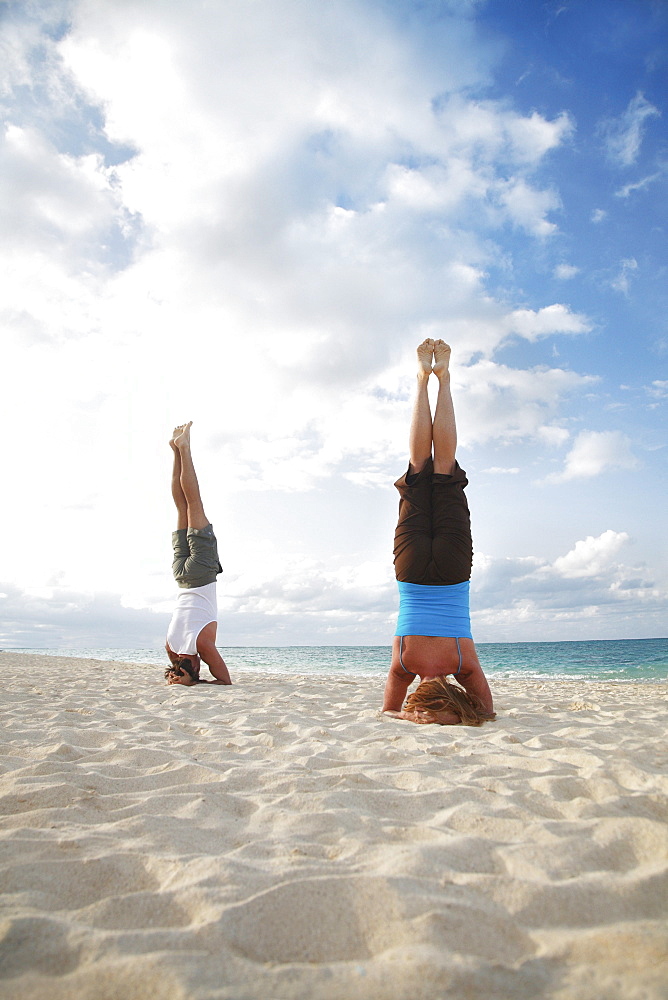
{"points": [[608, 659]]}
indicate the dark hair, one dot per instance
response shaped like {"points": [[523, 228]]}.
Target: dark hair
{"points": [[443, 695], [181, 665]]}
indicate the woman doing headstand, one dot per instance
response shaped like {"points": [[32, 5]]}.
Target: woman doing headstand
{"points": [[432, 558], [191, 636]]}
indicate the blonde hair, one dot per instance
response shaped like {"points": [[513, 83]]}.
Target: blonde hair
{"points": [[443, 695]]}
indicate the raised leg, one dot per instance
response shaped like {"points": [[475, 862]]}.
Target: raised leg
{"points": [[444, 430], [177, 491], [420, 439], [195, 516]]}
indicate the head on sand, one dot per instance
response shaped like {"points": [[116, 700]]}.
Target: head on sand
{"points": [[183, 669], [441, 695]]}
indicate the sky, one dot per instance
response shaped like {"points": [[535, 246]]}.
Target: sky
{"points": [[247, 213]]}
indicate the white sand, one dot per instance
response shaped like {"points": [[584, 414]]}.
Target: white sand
{"points": [[279, 839]]}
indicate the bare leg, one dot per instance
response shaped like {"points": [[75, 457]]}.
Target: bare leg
{"points": [[419, 446], [177, 492], [445, 429], [196, 518]]}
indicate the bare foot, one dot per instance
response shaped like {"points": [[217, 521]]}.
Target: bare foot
{"points": [[425, 353], [181, 436], [175, 434], [441, 358]]}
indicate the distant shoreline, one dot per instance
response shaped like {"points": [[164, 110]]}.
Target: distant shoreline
{"points": [[622, 661]]}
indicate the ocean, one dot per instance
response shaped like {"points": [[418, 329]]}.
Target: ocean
{"points": [[600, 660]]}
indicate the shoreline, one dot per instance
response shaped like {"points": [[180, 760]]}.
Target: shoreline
{"points": [[280, 838], [494, 674]]}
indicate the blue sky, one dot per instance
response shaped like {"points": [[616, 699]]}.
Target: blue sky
{"points": [[247, 215]]}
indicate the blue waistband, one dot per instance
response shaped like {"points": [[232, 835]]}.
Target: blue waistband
{"points": [[434, 610]]}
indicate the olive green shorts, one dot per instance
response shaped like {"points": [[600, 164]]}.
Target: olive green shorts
{"points": [[195, 562]]}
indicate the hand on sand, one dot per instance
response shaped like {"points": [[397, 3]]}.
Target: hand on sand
{"points": [[174, 675], [425, 718]]}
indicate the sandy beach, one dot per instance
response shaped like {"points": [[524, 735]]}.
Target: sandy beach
{"points": [[281, 839]]}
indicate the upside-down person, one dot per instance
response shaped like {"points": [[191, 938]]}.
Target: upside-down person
{"points": [[432, 558], [191, 636]]}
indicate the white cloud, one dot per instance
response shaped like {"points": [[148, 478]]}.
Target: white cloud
{"points": [[591, 556], [302, 601], [52, 197], [552, 319], [587, 593], [598, 215], [62, 617], [565, 271], [528, 207], [496, 133], [641, 185], [226, 221], [495, 402], [534, 136], [594, 452], [622, 282], [623, 135], [202, 223], [658, 389], [553, 435]]}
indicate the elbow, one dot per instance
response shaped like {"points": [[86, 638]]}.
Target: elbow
{"points": [[392, 705]]}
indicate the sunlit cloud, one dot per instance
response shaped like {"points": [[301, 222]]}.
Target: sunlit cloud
{"points": [[589, 587], [201, 223], [528, 207], [594, 452], [552, 319], [591, 556]]}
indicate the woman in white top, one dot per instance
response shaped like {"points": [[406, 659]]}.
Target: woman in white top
{"points": [[191, 636]]}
